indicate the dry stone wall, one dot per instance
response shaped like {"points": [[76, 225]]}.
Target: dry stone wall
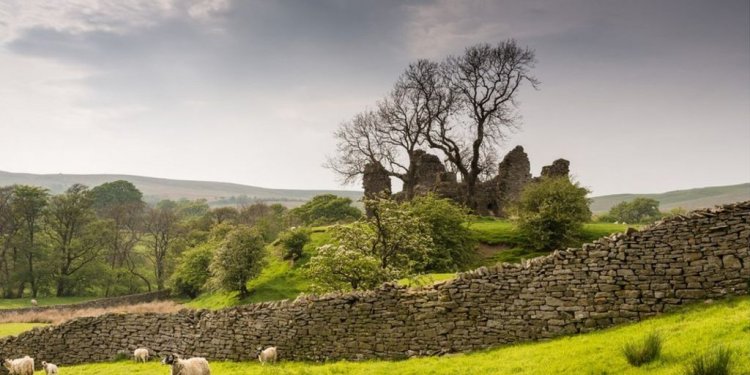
{"points": [[617, 279]]}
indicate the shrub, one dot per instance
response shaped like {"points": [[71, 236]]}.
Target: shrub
{"points": [[293, 241], [453, 245], [238, 259], [192, 273], [390, 245], [639, 210], [551, 213], [640, 353], [715, 363], [325, 209]]}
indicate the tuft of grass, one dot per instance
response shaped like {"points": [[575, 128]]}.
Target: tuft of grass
{"points": [[640, 353], [718, 362]]}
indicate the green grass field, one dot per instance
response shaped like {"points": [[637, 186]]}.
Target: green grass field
{"points": [[43, 301], [687, 333], [13, 329]]}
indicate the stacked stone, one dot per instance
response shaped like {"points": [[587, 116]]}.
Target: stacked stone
{"points": [[620, 278]]}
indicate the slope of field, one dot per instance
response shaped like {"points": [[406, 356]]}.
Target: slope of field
{"points": [[686, 334], [689, 199], [155, 189]]}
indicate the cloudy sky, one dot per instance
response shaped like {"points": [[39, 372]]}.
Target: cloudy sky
{"points": [[641, 95]]}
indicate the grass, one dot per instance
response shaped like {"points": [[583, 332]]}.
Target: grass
{"points": [[42, 301], [13, 329], [639, 353], [426, 279], [278, 280], [56, 316], [686, 335], [717, 362]]}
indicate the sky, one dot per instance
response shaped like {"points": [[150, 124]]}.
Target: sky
{"points": [[641, 96]]}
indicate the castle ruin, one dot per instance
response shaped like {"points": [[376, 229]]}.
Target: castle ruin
{"points": [[492, 197]]}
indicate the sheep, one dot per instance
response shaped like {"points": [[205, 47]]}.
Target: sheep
{"points": [[269, 354], [191, 366], [49, 368], [20, 366], [140, 355], [34, 303]]}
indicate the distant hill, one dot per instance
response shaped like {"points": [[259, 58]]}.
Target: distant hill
{"points": [[155, 189], [688, 199], [222, 193]]}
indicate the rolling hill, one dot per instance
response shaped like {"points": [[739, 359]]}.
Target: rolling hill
{"points": [[155, 189], [689, 199], [220, 193]]}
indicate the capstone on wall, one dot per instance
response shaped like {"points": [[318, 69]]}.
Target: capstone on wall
{"points": [[617, 279]]}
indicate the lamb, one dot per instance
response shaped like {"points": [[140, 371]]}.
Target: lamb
{"points": [[34, 303], [20, 366], [141, 355], [49, 368], [269, 354], [191, 366]]}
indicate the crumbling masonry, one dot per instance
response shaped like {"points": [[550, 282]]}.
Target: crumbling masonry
{"points": [[492, 196]]}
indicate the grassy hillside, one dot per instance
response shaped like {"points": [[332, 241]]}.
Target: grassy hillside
{"points": [[499, 242], [688, 333], [690, 199], [161, 188]]}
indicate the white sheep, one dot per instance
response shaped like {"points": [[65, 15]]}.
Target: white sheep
{"points": [[49, 368], [140, 355], [191, 366], [34, 303], [20, 366], [268, 355]]}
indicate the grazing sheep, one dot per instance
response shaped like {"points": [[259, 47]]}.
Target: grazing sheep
{"points": [[269, 354], [191, 366], [141, 355], [34, 303], [20, 366], [49, 368]]}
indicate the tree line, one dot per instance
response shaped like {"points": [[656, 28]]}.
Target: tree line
{"points": [[107, 241]]}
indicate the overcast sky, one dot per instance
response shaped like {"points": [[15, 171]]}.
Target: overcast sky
{"points": [[640, 96]]}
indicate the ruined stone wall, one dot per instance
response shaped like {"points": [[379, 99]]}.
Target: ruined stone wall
{"points": [[617, 279]]}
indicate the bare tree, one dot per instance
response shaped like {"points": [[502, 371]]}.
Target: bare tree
{"points": [[391, 135], [484, 83]]}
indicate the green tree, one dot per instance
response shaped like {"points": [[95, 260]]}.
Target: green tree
{"points": [[29, 204], [453, 247], [325, 209], [121, 203], [9, 229], [341, 268], [76, 236], [394, 238], [192, 272], [238, 259], [293, 241], [551, 212], [267, 219], [639, 210]]}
